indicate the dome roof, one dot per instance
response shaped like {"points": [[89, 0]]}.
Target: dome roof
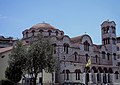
{"points": [[42, 26]]}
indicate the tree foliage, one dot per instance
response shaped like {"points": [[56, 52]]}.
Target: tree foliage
{"points": [[40, 56], [13, 73], [18, 55], [6, 82], [16, 63], [34, 58]]}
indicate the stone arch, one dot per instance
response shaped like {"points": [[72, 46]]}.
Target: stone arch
{"points": [[105, 70], [41, 30], [67, 74], [86, 45], [77, 72], [110, 70], [49, 32], [66, 45], [87, 69], [56, 32], [33, 32], [116, 75], [26, 33], [100, 70], [87, 37], [94, 69]]}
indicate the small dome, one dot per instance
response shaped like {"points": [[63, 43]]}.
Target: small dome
{"points": [[42, 26]]}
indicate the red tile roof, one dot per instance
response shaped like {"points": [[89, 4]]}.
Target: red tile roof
{"points": [[43, 25], [76, 39]]}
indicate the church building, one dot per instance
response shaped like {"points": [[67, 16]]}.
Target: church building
{"points": [[79, 60]]}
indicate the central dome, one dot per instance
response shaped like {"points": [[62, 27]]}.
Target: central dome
{"points": [[42, 26]]}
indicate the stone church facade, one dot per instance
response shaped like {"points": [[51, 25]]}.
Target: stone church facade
{"points": [[72, 54]]}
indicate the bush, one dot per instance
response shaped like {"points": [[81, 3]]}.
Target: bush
{"points": [[6, 82]]}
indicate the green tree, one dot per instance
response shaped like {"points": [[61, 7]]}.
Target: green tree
{"points": [[17, 62], [18, 55], [13, 73], [40, 56], [6, 82]]}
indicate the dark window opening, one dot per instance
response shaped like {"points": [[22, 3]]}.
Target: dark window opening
{"points": [[118, 48], [114, 54], [26, 34], [116, 75], [2, 56], [86, 46], [77, 74], [66, 46], [103, 55], [75, 54], [33, 33], [56, 33], [49, 32]]}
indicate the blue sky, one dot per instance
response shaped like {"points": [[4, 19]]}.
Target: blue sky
{"points": [[74, 17]]}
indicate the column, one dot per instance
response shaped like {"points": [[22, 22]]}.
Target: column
{"points": [[83, 77], [96, 78], [106, 77], [101, 78], [90, 78], [112, 77]]}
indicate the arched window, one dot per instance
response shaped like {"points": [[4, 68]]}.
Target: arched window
{"points": [[33, 32], [116, 75], [67, 74], [77, 72], [49, 32], [103, 55], [86, 46], [26, 34], [56, 33], [66, 46], [75, 54], [107, 29], [41, 31], [110, 71], [94, 69], [100, 70], [118, 48], [61, 33], [114, 54]]}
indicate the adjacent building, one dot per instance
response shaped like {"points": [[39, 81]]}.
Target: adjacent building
{"points": [[6, 41]]}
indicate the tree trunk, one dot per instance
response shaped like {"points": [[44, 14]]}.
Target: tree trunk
{"points": [[35, 79]]}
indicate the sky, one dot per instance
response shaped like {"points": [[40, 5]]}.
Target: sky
{"points": [[74, 17]]}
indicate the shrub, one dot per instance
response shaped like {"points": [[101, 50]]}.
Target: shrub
{"points": [[6, 82]]}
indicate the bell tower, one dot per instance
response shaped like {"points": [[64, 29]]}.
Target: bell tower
{"points": [[108, 33]]}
